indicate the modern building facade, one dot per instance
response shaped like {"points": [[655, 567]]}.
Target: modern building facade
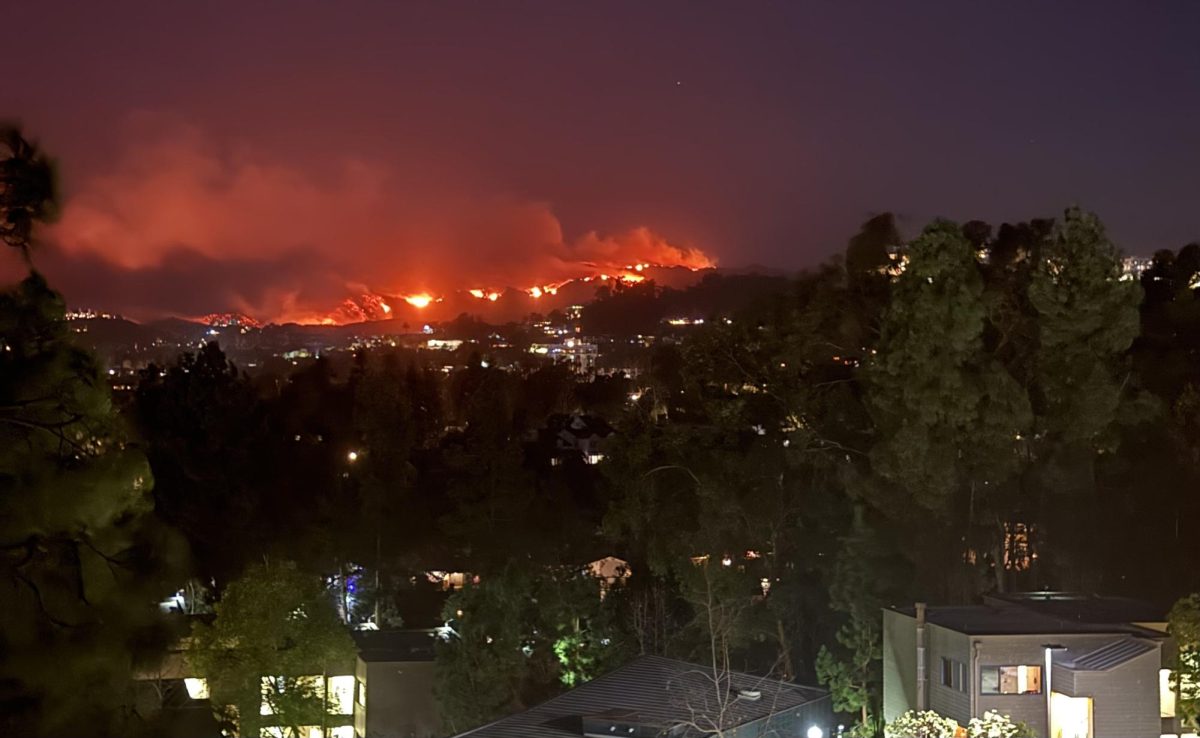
{"points": [[1071, 666]]}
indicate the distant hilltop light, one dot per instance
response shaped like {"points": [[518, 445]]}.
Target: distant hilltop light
{"points": [[89, 314]]}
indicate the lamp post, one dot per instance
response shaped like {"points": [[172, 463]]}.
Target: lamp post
{"points": [[1049, 648]]}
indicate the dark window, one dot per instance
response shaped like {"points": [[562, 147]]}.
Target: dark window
{"points": [[954, 674]]}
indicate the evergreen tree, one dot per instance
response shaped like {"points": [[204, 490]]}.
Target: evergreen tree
{"points": [[79, 549], [949, 415], [28, 189]]}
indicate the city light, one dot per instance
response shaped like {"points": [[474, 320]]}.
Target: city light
{"points": [[352, 456]]}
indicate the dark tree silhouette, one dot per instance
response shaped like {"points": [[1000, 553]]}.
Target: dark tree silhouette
{"points": [[28, 188]]}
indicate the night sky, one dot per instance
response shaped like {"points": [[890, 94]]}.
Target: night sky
{"points": [[273, 157]]}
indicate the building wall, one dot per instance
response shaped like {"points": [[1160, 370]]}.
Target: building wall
{"points": [[946, 700], [899, 664], [400, 702], [1124, 699], [1031, 708]]}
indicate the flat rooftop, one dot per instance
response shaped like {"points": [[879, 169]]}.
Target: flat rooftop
{"points": [[1044, 613]]}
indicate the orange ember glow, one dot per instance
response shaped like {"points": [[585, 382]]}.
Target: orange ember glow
{"points": [[535, 292], [483, 295], [418, 301]]}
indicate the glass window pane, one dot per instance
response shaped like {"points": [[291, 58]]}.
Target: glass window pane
{"points": [[989, 680]]}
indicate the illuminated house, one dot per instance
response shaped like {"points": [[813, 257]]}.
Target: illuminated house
{"points": [[580, 355], [386, 691], [653, 696], [1069, 665]]}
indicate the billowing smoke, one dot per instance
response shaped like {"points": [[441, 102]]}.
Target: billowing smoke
{"points": [[181, 226]]}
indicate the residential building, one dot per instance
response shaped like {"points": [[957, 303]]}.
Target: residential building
{"points": [[394, 685], [581, 356], [386, 692], [1069, 665], [653, 696], [576, 435]]}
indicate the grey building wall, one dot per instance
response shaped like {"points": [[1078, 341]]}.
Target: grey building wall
{"points": [[946, 700], [1125, 698], [400, 702], [1030, 651], [899, 664]]}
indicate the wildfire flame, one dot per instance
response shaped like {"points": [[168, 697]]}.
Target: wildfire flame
{"points": [[420, 301], [370, 306], [483, 295]]}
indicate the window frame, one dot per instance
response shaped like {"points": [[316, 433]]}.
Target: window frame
{"points": [[997, 669], [957, 672]]}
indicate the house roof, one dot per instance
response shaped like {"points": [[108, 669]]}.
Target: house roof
{"points": [[1012, 618], [578, 426], [651, 690], [394, 645], [1108, 656], [1083, 608]]}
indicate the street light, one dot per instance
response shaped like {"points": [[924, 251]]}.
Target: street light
{"points": [[352, 456]]}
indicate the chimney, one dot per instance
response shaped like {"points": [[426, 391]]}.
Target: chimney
{"points": [[922, 674]]}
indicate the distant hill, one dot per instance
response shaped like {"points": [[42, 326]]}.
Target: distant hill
{"points": [[609, 309]]}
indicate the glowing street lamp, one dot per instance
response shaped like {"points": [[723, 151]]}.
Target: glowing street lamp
{"points": [[352, 457]]}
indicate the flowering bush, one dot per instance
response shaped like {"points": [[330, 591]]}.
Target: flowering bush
{"points": [[995, 725], [926, 724]]}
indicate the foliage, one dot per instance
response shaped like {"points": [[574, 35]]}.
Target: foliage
{"points": [[923, 724], [276, 625], [28, 188], [202, 421], [996, 725], [79, 551], [1184, 620], [862, 580], [517, 637]]}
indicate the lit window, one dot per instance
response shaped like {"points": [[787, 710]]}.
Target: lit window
{"points": [[1010, 680], [1166, 695], [197, 689], [1070, 717], [341, 694]]}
